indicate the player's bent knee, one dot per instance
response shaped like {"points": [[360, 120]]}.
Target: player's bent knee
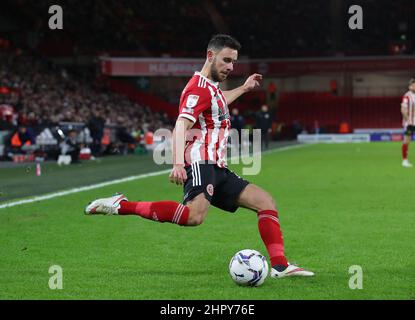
{"points": [[267, 203], [257, 199]]}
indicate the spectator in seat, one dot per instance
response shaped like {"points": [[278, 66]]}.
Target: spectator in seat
{"points": [[272, 90], [22, 140], [316, 127], [127, 140], [344, 127], [264, 122], [96, 126], [70, 146], [6, 124], [237, 120], [297, 128], [238, 123]]}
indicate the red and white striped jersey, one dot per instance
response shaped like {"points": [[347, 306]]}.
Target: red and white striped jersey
{"points": [[408, 103], [203, 102]]}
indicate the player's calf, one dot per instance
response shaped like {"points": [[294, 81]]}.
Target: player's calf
{"points": [[191, 214], [161, 211], [198, 208]]}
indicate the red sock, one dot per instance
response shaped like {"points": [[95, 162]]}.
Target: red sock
{"points": [[269, 228], [405, 151], [162, 211]]}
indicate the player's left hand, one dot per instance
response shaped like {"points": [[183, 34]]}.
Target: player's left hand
{"points": [[253, 81]]}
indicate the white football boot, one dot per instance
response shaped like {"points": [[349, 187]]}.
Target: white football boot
{"points": [[291, 271], [406, 164], [108, 206]]}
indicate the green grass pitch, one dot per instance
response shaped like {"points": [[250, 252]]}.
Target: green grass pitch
{"points": [[340, 205]]}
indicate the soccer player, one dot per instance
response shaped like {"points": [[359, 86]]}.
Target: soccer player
{"points": [[200, 164], [408, 115]]}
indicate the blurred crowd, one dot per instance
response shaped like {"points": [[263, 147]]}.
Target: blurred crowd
{"points": [[43, 95]]}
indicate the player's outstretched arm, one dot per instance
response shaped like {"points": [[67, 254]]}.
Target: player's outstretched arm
{"points": [[178, 173], [251, 83]]}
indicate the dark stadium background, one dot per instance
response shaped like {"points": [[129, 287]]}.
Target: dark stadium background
{"points": [[114, 75], [319, 74]]}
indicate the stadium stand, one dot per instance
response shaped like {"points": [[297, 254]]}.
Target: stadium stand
{"points": [[36, 93], [330, 111], [40, 95], [143, 28]]}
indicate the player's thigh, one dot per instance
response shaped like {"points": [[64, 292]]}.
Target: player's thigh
{"points": [[229, 187], [200, 179], [408, 134], [255, 198], [198, 209]]}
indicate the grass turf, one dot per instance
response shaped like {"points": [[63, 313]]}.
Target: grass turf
{"points": [[340, 205], [21, 181]]}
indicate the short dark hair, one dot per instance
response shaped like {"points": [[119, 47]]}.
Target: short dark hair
{"points": [[220, 41], [411, 81]]}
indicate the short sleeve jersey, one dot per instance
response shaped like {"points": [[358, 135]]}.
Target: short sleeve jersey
{"points": [[203, 103]]}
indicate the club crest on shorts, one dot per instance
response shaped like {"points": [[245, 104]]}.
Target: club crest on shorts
{"points": [[192, 100], [209, 189]]}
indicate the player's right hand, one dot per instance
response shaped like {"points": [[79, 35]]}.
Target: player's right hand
{"points": [[178, 175]]}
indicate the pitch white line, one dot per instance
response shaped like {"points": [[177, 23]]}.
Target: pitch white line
{"points": [[76, 190], [296, 146], [108, 183]]}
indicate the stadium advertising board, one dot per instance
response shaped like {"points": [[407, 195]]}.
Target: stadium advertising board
{"points": [[118, 66], [333, 138]]}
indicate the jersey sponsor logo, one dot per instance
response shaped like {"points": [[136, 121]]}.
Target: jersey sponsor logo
{"points": [[188, 110], [209, 189], [192, 100]]}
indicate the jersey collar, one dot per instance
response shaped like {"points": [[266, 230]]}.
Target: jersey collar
{"points": [[216, 84]]}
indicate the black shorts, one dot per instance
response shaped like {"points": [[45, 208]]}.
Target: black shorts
{"points": [[220, 186], [409, 130]]}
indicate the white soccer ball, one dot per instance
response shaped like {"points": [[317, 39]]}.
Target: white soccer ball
{"points": [[248, 268]]}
